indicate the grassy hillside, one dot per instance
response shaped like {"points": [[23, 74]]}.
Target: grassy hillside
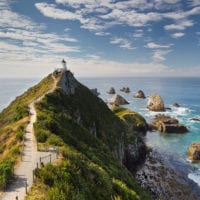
{"points": [[92, 141], [13, 121]]}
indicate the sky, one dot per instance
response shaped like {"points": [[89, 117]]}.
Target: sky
{"points": [[108, 38]]}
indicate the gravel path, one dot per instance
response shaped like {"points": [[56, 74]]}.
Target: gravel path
{"points": [[30, 158]]}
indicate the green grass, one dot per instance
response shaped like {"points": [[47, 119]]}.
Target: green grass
{"points": [[90, 167], [13, 121]]}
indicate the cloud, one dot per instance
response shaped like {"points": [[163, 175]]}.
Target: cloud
{"points": [[50, 10], [102, 33], [180, 25], [123, 43], [99, 16], [159, 55], [177, 35], [194, 2], [138, 33], [152, 45]]}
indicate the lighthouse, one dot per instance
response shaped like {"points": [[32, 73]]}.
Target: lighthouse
{"points": [[64, 64]]}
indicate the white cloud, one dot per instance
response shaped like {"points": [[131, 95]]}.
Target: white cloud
{"points": [[107, 68], [102, 33], [152, 45], [194, 2], [26, 36], [99, 15], [159, 55], [180, 25], [138, 33], [50, 10], [123, 43], [177, 35]]}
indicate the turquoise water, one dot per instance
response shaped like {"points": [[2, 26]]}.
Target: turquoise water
{"points": [[185, 91]]}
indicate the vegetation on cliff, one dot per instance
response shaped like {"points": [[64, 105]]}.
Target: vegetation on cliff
{"points": [[93, 142], [13, 121]]}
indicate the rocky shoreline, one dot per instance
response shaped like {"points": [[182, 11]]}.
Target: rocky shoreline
{"points": [[166, 177]]}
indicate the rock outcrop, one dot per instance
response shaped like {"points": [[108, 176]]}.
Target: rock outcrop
{"points": [[195, 119], [176, 105], [125, 89], [155, 103], [95, 91], [68, 83], [118, 100], [111, 90], [167, 124], [194, 151], [158, 175], [135, 151], [139, 94]]}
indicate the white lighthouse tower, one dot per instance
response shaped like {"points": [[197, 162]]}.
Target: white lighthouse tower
{"points": [[64, 64]]}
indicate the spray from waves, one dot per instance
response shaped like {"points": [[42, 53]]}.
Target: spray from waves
{"points": [[174, 112], [195, 176], [181, 111]]}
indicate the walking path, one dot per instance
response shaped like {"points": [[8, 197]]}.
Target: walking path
{"points": [[30, 158]]}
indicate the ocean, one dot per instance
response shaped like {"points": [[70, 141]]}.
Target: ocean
{"points": [[184, 91]]}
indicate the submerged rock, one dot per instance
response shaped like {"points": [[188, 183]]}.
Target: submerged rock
{"points": [[111, 90], [194, 151], [139, 94], [118, 100], [155, 103], [125, 89], [167, 124]]}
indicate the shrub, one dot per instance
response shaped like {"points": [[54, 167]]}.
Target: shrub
{"points": [[55, 140], [20, 112], [6, 173], [20, 133], [41, 135]]}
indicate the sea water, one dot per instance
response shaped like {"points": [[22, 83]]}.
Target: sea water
{"points": [[184, 91], [10, 88]]}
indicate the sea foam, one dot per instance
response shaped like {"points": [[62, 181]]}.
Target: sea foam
{"points": [[195, 176]]}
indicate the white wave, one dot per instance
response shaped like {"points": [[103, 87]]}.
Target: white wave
{"points": [[181, 111], [195, 176]]}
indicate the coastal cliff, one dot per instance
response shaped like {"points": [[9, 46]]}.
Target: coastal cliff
{"points": [[102, 154], [97, 147]]}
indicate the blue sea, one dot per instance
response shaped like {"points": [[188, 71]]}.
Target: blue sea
{"points": [[184, 91]]}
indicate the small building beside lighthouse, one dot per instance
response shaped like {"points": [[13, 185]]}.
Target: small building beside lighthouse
{"points": [[64, 64]]}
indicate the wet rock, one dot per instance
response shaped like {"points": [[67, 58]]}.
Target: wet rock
{"points": [[139, 94], [195, 119], [176, 105], [118, 100], [95, 91], [111, 90], [194, 151], [167, 124], [155, 103], [165, 177], [125, 89]]}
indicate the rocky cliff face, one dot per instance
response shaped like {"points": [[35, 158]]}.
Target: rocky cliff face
{"points": [[68, 83]]}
